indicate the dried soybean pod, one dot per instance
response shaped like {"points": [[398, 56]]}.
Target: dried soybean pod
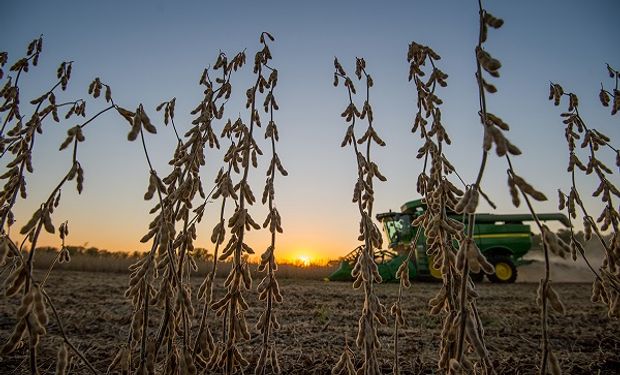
{"points": [[62, 360]]}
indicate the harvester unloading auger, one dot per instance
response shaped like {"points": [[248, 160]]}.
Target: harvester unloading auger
{"points": [[503, 239]]}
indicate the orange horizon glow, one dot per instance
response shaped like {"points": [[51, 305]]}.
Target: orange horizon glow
{"points": [[304, 260], [285, 254]]}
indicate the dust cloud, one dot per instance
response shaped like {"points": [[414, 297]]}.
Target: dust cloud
{"points": [[563, 270]]}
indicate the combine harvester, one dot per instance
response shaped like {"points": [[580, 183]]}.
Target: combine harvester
{"points": [[503, 239]]}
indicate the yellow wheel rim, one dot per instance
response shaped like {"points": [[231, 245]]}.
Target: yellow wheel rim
{"points": [[503, 271], [435, 272]]}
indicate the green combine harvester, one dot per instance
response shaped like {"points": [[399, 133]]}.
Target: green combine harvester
{"points": [[503, 239]]}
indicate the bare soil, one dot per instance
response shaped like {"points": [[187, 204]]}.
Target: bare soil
{"points": [[317, 316]]}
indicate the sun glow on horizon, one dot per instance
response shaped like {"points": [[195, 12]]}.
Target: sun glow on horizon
{"points": [[304, 260]]}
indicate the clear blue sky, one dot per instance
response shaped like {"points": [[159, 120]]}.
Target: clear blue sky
{"points": [[151, 51]]}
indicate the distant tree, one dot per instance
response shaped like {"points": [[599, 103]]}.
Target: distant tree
{"points": [[75, 250], [91, 251], [201, 253], [47, 249]]}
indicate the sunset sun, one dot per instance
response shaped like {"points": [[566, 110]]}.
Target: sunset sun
{"points": [[304, 260]]}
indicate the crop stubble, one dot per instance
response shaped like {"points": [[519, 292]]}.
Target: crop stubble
{"points": [[317, 316]]}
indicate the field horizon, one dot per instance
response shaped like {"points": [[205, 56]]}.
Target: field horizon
{"points": [[92, 259]]}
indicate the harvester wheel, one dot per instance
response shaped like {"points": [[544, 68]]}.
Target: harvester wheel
{"points": [[505, 269]]}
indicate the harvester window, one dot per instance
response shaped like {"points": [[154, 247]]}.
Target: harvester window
{"points": [[392, 232], [399, 229]]}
